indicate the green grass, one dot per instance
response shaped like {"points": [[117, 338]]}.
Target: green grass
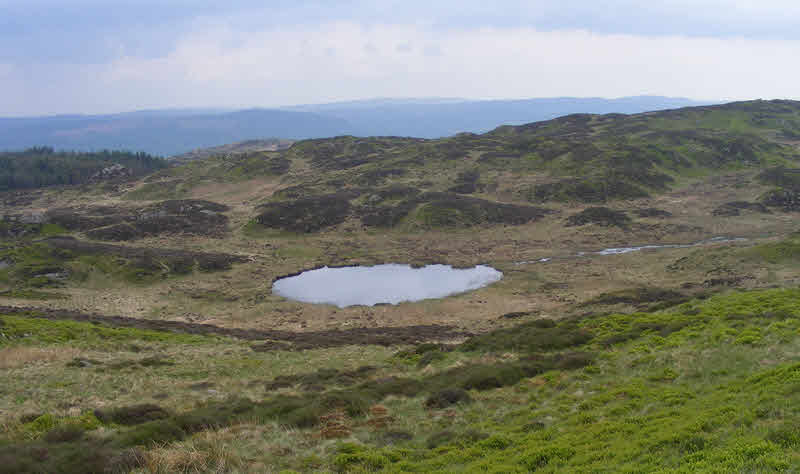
{"points": [[38, 265], [707, 385], [785, 251], [159, 191], [703, 397], [37, 331], [29, 294]]}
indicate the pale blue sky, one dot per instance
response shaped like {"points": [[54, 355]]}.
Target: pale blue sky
{"points": [[92, 56]]}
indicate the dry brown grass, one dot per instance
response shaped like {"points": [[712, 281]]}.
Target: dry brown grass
{"points": [[207, 452], [22, 356], [546, 288]]}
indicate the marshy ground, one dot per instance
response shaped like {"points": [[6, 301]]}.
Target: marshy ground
{"points": [[138, 330]]}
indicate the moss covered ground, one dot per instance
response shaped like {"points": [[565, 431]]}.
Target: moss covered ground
{"points": [[707, 385]]}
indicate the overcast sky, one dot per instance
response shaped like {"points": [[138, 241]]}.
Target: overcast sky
{"points": [[99, 56]]}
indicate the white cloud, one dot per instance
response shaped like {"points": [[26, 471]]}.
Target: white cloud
{"points": [[220, 66]]}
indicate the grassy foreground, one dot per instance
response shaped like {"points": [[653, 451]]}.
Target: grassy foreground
{"points": [[707, 385]]}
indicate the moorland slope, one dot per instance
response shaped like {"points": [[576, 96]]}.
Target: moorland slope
{"points": [[138, 331]]}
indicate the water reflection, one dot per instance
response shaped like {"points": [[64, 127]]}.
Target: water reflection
{"points": [[390, 283]]}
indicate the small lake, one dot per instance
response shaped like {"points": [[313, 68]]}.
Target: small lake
{"points": [[389, 284]]}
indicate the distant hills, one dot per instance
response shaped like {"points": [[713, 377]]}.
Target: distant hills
{"points": [[506, 175], [164, 133], [244, 147], [174, 132], [436, 118]]}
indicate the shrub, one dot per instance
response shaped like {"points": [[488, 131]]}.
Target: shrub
{"points": [[353, 402], [429, 358], [150, 433], [366, 460], [533, 426], [453, 210], [393, 386], [448, 437], [306, 215], [600, 216], [447, 397], [591, 190], [639, 295], [64, 433], [487, 376], [440, 438], [542, 457], [537, 335], [786, 435], [132, 415]]}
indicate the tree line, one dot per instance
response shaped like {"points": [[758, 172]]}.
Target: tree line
{"points": [[43, 166]]}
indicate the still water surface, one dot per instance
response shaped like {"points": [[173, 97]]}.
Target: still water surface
{"points": [[390, 283]]}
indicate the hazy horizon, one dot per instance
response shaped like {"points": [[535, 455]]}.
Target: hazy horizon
{"points": [[390, 100], [98, 57]]}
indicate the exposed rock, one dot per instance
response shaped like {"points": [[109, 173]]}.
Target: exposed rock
{"points": [[115, 171]]}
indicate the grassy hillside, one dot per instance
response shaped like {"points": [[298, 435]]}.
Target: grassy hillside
{"points": [[648, 318], [389, 181], [706, 385]]}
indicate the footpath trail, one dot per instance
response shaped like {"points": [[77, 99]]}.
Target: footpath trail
{"points": [[272, 339]]}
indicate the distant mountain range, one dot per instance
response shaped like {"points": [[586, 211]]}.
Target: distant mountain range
{"points": [[173, 132], [164, 133]]}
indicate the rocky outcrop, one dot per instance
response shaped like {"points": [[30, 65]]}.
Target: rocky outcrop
{"points": [[113, 172]]}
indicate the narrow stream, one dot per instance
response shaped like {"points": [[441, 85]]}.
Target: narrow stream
{"points": [[623, 250]]}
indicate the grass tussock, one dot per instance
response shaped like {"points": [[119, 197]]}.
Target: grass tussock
{"points": [[207, 452], [704, 384], [22, 356]]}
